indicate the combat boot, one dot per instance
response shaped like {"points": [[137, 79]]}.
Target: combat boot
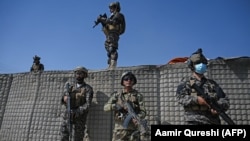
{"points": [[112, 64]]}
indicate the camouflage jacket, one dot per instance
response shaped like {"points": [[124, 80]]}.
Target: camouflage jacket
{"points": [[37, 67], [115, 23], [80, 97], [116, 100], [194, 112]]}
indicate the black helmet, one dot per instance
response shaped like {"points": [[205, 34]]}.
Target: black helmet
{"points": [[196, 58], [115, 5], [128, 74], [81, 69]]}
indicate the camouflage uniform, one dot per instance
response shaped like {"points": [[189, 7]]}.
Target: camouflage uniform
{"points": [[36, 66], [120, 133], [80, 99], [138, 105], [195, 110], [195, 113], [113, 27]]}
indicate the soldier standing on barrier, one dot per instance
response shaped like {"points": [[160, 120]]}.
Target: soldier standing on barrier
{"points": [[112, 27], [126, 130], [196, 110], [78, 97]]}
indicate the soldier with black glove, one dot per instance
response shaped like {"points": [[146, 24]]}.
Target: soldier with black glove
{"points": [[197, 110]]}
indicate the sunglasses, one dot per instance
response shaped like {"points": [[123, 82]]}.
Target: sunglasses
{"points": [[128, 78]]}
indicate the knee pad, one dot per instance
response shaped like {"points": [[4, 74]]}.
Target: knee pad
{"points": [[114, 55], [111, 49]]}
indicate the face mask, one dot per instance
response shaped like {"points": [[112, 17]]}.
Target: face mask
{"points": [[200, 68]]}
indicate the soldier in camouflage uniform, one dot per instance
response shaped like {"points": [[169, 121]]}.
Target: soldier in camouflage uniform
{"points": [[37, 66], [116, 104], [113, 27], [81, 95], [196, 110]]}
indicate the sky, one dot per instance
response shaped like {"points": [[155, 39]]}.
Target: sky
{"points": [[61, 32]]}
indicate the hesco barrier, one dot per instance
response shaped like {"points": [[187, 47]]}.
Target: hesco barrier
{"points": [[30, 106]]}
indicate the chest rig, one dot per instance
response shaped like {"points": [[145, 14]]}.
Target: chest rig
{"points": [[78, 96], [117, 27], [123, 97], [36, 67], [208, 86]]}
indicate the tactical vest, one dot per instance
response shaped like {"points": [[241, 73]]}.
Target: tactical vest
{"points": [[119, 28], [78, 97], [209, 88], [110, 28], [36, 67], [132, 97]]}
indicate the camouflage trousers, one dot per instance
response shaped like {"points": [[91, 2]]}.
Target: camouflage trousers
{"points": [[77, 131], [111, 46], [125, 135]]}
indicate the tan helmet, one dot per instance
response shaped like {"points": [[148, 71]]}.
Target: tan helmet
{"points": [[81, 69], [196, 58], [128, 73], [116, 5]]}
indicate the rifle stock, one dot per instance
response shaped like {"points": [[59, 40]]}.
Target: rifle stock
{"points": [[213, 104]]}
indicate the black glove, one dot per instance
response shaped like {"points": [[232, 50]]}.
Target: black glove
{"points": [[118, 107], [75, 113]]}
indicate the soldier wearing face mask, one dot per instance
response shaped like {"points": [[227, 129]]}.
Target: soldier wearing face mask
{"points": [[196, 110]]}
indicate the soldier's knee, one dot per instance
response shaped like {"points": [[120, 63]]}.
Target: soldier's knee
{"points": [[111, 49], [114, 55]]}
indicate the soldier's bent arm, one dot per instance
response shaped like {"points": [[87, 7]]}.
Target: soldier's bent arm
{"points": [[142, 113], [42, 67], [111, 104], [183, 95], [65, 92], [223, 99], [89, 97], [115, 20]]}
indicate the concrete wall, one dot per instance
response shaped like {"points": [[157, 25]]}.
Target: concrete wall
{"points": [[30, 107]]}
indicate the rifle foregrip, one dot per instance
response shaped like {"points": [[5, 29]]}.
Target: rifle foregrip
{"points": [[127, 120]]}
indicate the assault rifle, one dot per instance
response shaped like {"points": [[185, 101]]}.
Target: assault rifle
{"points": [[69, 112], [213, 104], [143, 127], [99, 19]]}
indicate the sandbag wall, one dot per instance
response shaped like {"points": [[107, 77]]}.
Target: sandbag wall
{"points": [[30, 108]]}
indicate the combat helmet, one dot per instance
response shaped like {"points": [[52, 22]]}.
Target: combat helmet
{"points": [[196, 58], [81, 69], [130, 74], [36, 57], [116, 5]]}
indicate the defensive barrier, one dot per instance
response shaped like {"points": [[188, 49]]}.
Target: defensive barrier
{"points": [[30, 106]]}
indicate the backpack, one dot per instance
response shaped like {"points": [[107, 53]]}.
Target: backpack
{"points": [[123, 24]]}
